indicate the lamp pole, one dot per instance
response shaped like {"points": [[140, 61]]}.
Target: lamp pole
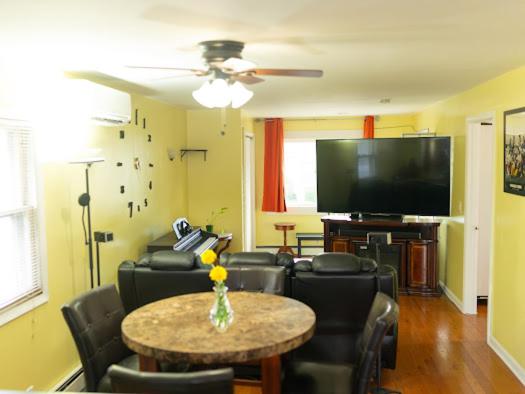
{"points": [[85, 201], [90, 239]]}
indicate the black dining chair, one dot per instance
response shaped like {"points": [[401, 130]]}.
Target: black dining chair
{"points": [[306, 377], [94, 319], [217, 381]]}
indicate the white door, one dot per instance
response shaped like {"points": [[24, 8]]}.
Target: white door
{"points": [[249, 193], [478, 215], [484, 187]]}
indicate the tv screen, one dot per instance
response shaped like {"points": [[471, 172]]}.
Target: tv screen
{"points": [[401, 176]]}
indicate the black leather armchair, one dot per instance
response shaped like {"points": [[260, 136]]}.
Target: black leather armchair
{"points": [[219, 381], [94, 319], [306, 377], [340, 288]]}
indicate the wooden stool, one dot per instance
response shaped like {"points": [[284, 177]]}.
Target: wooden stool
{"points": [[285, 227]]}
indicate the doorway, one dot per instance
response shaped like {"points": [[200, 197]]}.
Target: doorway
{"points": [[249, 192], [479, 194]]}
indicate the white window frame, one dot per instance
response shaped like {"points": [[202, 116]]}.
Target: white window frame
{"points": [[22, 307], [312, 136]]}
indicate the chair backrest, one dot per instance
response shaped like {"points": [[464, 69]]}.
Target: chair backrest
{"points": [[218, 381], [383, 314], [258, 279], [94, 319]]}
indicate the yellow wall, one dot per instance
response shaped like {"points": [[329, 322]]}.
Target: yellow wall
{"points": [[216, 182], [508, 296], [37, 349], [266, 235]]}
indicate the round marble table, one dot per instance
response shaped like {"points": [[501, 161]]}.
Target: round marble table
{"points": [[178, 329]]}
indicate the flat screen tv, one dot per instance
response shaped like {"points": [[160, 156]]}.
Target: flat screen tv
{"points": [[394, 176]]}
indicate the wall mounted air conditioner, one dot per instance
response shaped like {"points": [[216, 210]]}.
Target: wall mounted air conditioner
{"points": [[106, 106]]}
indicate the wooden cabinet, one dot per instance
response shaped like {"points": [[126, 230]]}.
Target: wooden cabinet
{"points": [[340, 244], [413, 251], [422, 268]]}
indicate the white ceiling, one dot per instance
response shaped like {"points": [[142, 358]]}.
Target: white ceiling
{"points": [[415, 52]]}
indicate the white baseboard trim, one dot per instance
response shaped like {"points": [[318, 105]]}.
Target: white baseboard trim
{"points": [[452, 297], [73, 381], [510, 361]]}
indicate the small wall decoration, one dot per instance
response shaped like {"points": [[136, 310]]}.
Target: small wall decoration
{"points": [[514, 151]]}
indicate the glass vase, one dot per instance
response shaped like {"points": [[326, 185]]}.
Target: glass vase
{"points": [[221, 313]]}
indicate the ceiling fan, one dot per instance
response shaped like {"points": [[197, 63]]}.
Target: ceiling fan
{"points": [[226, 67]]}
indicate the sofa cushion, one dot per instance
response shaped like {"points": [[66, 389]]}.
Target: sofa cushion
{"points": [[170, 260], [251, 258], [303, 266], [284, 260], [342, 264], [336, 263], [144, 260]]}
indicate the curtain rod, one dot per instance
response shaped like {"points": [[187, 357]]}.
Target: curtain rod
{"points": [[310, 119], [409, 126]]}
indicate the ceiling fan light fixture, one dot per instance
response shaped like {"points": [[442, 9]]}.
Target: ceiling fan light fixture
{"points": [[218, 94], [204, 95], [239, 94]]}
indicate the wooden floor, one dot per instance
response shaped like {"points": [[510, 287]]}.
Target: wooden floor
{"points": [[442, 351]]}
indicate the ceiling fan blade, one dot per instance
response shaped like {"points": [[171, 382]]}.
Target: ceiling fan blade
{"points": [[247, 79], [283, 72], [111, 81], [192, 70]]}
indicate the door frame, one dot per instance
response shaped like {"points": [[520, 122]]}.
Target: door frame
{"points": [[471, 208], [246, 241]]}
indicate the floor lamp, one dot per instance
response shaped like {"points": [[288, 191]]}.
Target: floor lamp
{"points": [[85, 202]]}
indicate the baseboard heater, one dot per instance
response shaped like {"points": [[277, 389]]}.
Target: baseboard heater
{"points": [[71, 380]]}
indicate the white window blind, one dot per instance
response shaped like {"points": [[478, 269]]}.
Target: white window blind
{"points": [[20, 264]]}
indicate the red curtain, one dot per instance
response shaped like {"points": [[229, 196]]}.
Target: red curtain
{"points": [[368, 127], [273, 193]]}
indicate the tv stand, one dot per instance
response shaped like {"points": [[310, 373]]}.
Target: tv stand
{"points": [[413, 252], [379, 217]]}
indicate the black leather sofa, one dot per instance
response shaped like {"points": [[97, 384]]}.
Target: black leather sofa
{"points": [[166, 273], [339, 287]]}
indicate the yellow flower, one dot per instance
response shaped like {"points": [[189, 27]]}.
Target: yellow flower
{"points": [[218, 274], [208, 257]]}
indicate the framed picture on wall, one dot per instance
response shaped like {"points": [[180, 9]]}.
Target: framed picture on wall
{"points": [[514, 151]]}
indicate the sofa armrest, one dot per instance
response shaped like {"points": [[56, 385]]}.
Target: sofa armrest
{"points": [[126, 284], [284, 260], [387, 281]]}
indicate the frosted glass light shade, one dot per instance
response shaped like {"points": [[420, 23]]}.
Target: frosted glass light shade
{"points": [[221, 93], [204, 95], [240, 95]]}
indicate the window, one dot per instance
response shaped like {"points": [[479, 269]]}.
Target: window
{"points": [[21, 279], [300, 176], [300, 180]]}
